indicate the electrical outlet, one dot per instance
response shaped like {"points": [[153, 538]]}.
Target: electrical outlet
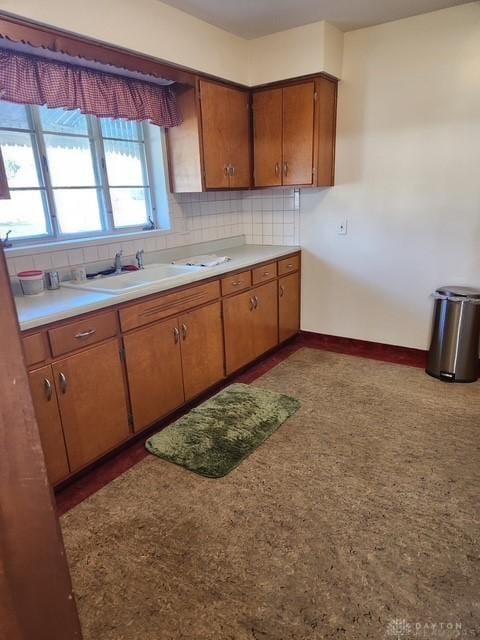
{"points": [[342, 227], [296, 198]]}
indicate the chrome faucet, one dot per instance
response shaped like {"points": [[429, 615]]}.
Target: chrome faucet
{"points": [[118, 262], [5, 243], [139, 256]]}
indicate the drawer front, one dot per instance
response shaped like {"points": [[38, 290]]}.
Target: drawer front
{"points": [[288, 265], [82, 333], [237, 282], [167, 305], [265, 273], [35, 349]]}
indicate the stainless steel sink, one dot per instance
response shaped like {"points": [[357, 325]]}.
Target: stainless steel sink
{"points": [[129, 280]]}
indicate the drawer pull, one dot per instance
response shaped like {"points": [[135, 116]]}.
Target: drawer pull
{"points": [[184, 331], [47, 385], [282, 291], [266, 273], [290, 266], [176, 335], [63, 382], [85, 334], [237, 283]]}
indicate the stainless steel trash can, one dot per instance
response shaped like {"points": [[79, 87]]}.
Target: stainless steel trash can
{"points": [[453, 354]]}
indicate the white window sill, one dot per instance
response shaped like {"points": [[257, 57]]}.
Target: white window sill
{"points": [[79, 243]]}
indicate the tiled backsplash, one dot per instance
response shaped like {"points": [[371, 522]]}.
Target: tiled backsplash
{"points": [[264, 217]]}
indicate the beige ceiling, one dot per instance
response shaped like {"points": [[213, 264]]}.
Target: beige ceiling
{"points": [[254, 18]]}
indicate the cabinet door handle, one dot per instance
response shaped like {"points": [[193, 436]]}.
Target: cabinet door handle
{"points": [[226, 169], [277, 168], [232, 170], [85, 334], [285, 168], [282, 291], [63, 382], [184, 331], [255, 302], [176, 335], [47, 385], [252, 304]]}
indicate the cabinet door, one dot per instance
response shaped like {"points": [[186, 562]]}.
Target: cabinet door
{"points": [[298, 133], [202, 349], [154, 371], [239, 140], [44, 398], [93, 403], [225, 136], [265, 314], [288, 306], [238, 325], [267, 138]]}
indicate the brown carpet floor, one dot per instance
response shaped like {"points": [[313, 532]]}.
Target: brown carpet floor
{"points": [[361, 509]]}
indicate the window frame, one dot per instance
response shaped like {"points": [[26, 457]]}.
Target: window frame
{"points": [[102, 185]]}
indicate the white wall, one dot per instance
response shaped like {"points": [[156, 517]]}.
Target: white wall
{"points": [[408, 180], [146, 26], [156, 29], [295, 52]]}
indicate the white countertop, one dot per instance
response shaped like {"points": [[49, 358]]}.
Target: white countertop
{"points": [[51, 306]]}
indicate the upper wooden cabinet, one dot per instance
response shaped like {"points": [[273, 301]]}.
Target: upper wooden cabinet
{"points": [[211, 148], [294, 134], [225, 135], [267, 137]]}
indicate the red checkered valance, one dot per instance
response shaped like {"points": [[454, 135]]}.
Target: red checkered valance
{"points": [[28, 79]]}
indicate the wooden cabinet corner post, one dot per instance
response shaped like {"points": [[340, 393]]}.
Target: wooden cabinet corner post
{"points": [[36, 599]]}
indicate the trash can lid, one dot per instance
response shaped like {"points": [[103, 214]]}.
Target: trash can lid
{"points": [[459, 292]]}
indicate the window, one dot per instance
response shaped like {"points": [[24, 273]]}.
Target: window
{"points": [[72, 175]]}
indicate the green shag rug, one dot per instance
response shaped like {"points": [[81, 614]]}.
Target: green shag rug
{"points": [[216, 436]]}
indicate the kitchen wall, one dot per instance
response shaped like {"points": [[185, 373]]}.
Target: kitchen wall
{"points": [[296, 52], [407, 175], [146, 26], [268, 216], [156, 29]]}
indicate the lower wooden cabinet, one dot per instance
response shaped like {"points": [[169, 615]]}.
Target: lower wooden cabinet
{"points": [[202, 349], [93, 404], [288, 306], [154, 370], [173, 361], [265, 326], [44, 396], [83, 398], [250, 324]]}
